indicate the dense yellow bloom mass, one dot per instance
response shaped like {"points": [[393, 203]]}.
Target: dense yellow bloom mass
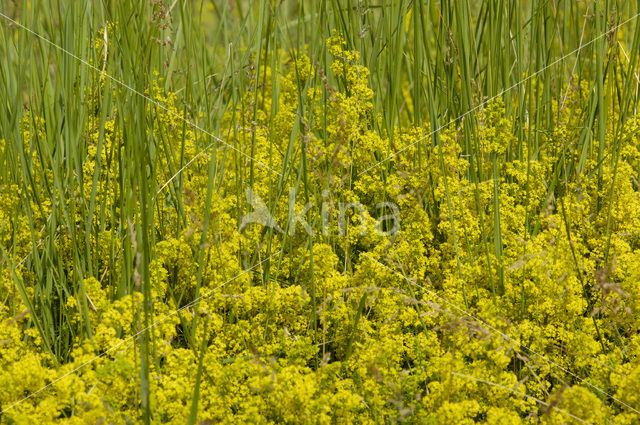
{"points": [[323, 332]]}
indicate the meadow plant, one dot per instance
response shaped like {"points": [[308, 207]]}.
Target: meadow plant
{"points": [[319, 212]]}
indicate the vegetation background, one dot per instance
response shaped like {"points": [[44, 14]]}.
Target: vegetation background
{"points": [[505, 131]]}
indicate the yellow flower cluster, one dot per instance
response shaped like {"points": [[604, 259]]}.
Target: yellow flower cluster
{"points": [[323, 332]]}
